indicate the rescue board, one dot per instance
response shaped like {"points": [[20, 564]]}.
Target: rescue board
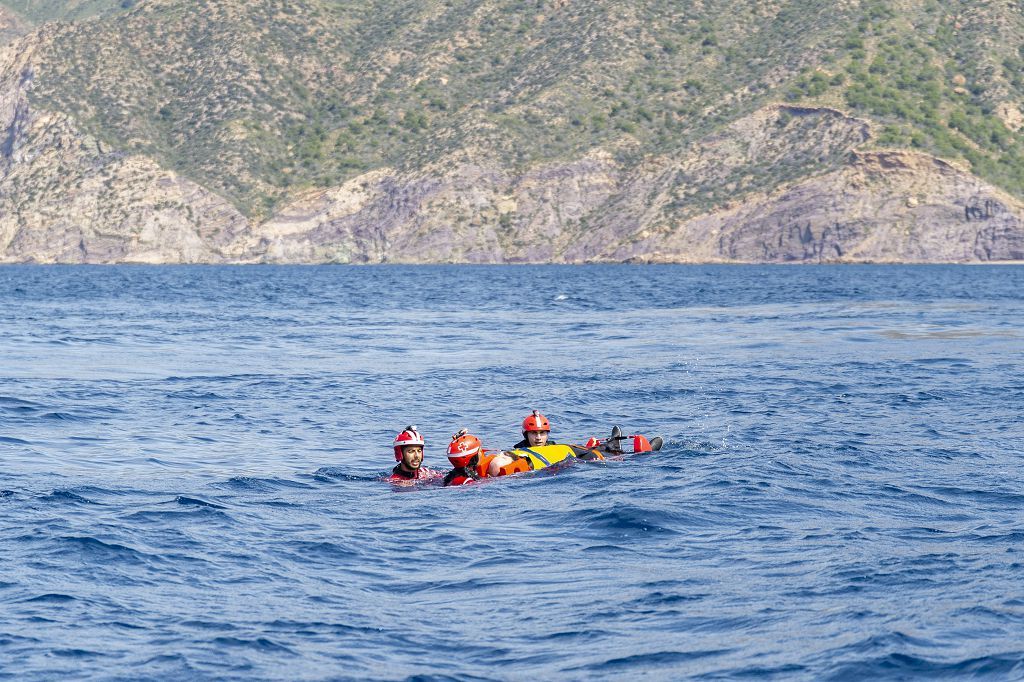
{"points": [[544, 456]]}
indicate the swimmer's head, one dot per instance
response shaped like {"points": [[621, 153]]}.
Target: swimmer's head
{"points": [[409, 440], [536, 429]]}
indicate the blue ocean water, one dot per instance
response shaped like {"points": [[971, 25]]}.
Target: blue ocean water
{"points": [[190, 461]]}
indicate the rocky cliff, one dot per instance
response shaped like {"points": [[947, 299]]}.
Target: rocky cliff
{"points": [[879, 206], [149, 157], [66, 197]]}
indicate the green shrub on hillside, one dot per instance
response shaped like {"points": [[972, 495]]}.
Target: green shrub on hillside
{"points": [[38, 11]]}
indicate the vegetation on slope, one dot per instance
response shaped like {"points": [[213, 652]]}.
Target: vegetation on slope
{"points": [[260, 99], [38, 11], [946, 79]]}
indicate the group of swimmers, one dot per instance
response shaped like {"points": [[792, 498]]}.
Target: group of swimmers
{"points": [[469, 460]]}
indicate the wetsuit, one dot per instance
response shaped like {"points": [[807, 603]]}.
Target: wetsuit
{"points": [[525, 443], [462, 475], [399, 475]]}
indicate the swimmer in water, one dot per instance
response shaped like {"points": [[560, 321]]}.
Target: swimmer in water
{"points": [[472, 462], [464, 454], [409, 455], [536, 431]]}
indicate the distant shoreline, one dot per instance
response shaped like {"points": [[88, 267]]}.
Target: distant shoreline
{"points": [[532, 264]]}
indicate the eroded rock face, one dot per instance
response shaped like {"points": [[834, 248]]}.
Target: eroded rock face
{"points": [[663, 200], [882, 207], [66, 197], [456, 210], [783, 184]]}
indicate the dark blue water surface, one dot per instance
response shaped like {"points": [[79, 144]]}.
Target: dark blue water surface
{"points": [[190, 462]]}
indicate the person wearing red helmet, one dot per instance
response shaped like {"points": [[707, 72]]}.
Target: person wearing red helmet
{"points": [[536, 431], [409, 455], [472, 462], [464, 454]]}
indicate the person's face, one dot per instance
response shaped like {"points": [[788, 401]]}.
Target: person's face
{"points": [[537, 437], [412, 457]]}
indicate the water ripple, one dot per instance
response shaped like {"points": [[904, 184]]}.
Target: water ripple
{"points": [[190, 477]]}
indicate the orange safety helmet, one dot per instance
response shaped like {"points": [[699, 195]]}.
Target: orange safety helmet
{"points": [[409, 436], [535, 421], [464, 447]]}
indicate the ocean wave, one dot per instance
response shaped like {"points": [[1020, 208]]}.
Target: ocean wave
{"points": [[65, 496], [186, 501], [628, 519], [50, 598], [251, 484], [907, 666], [330, 474], [12, 404], [262, 644], [653, 660], [96, 549]]}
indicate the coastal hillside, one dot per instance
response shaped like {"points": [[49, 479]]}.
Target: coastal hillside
{"points": [[498, 131], [40, 11]]}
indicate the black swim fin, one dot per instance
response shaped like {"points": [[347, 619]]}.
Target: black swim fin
{"points": [[614, 442]]}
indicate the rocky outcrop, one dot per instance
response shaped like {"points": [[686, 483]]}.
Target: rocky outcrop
{"points": [[67, 197], [881, 206], [457, 210]]}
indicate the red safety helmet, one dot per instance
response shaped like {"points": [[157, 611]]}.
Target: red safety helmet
{"points": [[535, 421], [464, 447], [409, 436]]}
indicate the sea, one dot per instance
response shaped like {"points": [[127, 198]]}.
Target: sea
{"points": [[192, 465]]}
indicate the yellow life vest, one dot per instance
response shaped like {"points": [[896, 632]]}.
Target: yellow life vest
{"points": [[543, 456]]}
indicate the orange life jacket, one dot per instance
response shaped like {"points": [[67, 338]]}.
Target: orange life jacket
{"points": [[517, 465]]}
